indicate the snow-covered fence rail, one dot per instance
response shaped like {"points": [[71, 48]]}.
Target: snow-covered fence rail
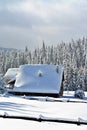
{"points": [[41, 118], [50, 99], [69, 101]]}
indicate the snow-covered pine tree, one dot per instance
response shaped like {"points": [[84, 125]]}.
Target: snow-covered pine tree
{"points": [[2, 85]]}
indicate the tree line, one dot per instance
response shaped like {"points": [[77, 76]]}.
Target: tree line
{"points": [[72, 56]]}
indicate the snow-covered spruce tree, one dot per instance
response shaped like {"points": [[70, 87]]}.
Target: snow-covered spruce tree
{"points": [[79, 93], [85, 72], [2, 85]]}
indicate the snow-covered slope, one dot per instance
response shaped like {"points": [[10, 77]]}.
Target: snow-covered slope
{"points": [[43, 107]]}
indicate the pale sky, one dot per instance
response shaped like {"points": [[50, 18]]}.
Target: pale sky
{"points": [[29, 22]]}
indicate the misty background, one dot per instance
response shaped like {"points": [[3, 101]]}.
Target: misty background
{"points": [[29, 22]]}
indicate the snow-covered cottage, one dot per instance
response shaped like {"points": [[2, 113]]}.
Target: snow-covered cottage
{"points": [[39, 80], [10, 76]]}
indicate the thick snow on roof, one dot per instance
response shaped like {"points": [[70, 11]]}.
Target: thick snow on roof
{"points": [[23, 106], [39, 78], [11, 73]]}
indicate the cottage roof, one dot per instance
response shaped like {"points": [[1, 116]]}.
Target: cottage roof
{"points": [[39, 78], [11, 73]]}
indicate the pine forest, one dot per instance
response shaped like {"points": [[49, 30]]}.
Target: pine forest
{"points": [[72, 56]]}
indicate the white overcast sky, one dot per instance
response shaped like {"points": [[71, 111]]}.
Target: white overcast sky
{"points": [[29, 22]]}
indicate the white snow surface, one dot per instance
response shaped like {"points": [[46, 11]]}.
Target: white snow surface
{"points": [[11, 73], [39, 78], [44, 106]]}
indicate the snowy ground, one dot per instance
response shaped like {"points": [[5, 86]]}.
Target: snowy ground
{"points": [[66, 107]]}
